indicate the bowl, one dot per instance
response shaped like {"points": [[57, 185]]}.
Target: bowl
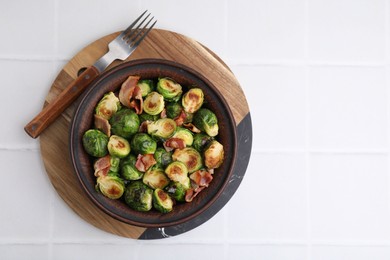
{"points": [[83, 120]]}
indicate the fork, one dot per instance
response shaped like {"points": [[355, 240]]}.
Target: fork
{"points": [[119, 49]]}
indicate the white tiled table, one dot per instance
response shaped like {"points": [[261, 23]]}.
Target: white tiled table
{"points": [[316, 74]]}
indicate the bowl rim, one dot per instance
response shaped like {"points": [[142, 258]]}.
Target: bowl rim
{"points": [[176, 65]]}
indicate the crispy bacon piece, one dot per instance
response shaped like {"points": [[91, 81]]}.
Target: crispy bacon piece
{"points": [[130, 95], [192, 193], [163, 113], [143, 128], [102, 124], [102, 166], [202, 178], [179, 120], [174, 143], [192, 128], [144, 162]]}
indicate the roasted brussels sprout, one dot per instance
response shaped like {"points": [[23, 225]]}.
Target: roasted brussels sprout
{"points": [[118, 146], [169, 89], [125, 123], [173, 109], [155, 178], [146, 117], [190, 157], [138, 196], [114, 164], [177, 171], [163, 158], [154, 103], [201, 140], [146, 86], [206, 120], [162, 128], [185, 135], [161, 201], [213, 155], [108, 106], [110, 186], [95, 143], [192, 100], [142, 143], [128, 170], [177, 190]]}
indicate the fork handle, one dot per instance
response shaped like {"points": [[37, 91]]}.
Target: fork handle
{"points": [[50, 112]]}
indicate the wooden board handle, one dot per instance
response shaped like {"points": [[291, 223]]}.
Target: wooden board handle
{"points": [[55, 108]]}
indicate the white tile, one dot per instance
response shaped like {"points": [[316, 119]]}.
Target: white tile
{"points": [[202, 20], [26, 215], [270, 30], [269, 252], [350, 252], [82, 22], [27, 28], [344, 30], [64, 217], [24, 251], [276, 97], [180, 251], [29, 91], [347, 108], [271, 200], [92, 251], [349, 197]]}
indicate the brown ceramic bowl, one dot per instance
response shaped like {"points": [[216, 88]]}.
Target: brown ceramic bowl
{"points": [[83, 120]]}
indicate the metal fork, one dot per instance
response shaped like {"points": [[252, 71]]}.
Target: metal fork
{"points": [[119, 49]]}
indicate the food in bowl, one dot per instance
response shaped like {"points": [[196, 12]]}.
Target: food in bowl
{"points": [[153, 143]]}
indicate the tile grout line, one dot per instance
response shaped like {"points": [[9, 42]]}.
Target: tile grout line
{"points": [[387, 82], [307, 128]]}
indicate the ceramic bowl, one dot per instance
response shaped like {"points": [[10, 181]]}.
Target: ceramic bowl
{"points": [[83, 120]]}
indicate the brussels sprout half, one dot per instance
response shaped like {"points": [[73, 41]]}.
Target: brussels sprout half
{"points": [[114, 164], [173, 109], [153, 103], [118, 146], [128, 170], [206, 120], [162, 128], [95, 143], [146, 86], [213, 155], [190, 157], [138, 196], [177, 171], [177, 190], [192, 100], [161, 201], [201, 140], [163, 157], [108, 106], [155, 178], [110, 186], [142, 143], [125, 123], [185, 135], [169, 89]]}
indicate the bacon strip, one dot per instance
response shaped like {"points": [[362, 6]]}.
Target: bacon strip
{"points": [[202, 178], [192, 128], [102, 166], [179, 120], [102, 124], [130, 94], [174, 143], [192, 193], [144, 162]]}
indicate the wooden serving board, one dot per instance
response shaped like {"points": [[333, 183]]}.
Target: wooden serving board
{"points": [[158, 44]]}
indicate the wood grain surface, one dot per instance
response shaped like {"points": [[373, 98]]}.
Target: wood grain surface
{"points": [[54, 140]]}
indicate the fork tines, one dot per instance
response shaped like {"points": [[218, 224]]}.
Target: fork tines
{"points": [[134, 34]]}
